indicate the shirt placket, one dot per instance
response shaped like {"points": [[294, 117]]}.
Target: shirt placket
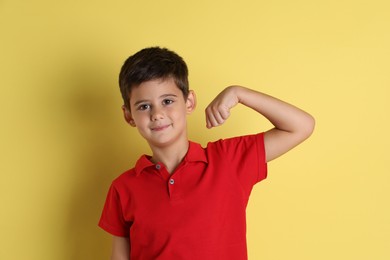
{"points": [[172, 181], [174, 186]]}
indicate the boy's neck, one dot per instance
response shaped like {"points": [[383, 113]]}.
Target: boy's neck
{"points": [[171, 155]]}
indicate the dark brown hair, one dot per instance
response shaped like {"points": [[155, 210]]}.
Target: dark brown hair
{"points": [[152, 63]]}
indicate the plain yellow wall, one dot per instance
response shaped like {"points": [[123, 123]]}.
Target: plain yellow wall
{"points": [[63, 138]]}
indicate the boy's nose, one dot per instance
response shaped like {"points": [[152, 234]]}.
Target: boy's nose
{"points": [[156, 114]]}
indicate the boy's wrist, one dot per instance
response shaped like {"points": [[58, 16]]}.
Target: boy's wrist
{"points": [[238, 91]]}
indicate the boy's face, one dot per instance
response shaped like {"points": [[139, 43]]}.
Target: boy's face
{"points": [[158, 110]]}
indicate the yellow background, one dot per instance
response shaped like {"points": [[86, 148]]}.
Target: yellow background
{"points": [[63, 138]]}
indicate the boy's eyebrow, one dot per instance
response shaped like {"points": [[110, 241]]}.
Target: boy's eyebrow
{"points": [[162, 96], [139, 102], [168, 95]]}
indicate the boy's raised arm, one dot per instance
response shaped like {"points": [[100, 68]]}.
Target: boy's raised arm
{"points": [[291, 124]]}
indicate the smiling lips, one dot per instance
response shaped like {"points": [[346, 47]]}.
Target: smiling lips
{"points": [[160, 128]]}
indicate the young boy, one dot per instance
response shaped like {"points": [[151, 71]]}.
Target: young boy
{"points": [[185, 201]]}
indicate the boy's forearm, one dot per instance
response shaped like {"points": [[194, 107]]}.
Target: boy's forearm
{"points": [[282, 115]]}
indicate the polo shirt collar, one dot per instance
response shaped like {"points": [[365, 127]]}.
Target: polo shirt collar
{"points": [[195, 153]]}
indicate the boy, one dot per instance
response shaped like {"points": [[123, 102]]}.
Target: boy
{"points": [[185, 201]]}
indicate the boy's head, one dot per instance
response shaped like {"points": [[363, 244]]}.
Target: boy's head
{"points": [[152, 63]]}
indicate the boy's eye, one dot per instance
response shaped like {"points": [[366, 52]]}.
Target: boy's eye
{"points": [[167, 101], [143, 107]]}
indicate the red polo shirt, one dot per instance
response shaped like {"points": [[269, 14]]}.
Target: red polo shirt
{"points": [[197, 212]]}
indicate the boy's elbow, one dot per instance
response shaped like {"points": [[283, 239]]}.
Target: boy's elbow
{"points": [[308, 127]]}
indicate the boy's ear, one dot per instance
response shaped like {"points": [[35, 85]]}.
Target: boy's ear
{"points": [[191, 102], [127, 115]]}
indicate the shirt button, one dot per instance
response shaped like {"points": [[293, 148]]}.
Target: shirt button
{"points": [[158, 166], [171, 181]]}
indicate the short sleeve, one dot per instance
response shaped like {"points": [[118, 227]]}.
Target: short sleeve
{"points": [[246, 158], [112, 219]]}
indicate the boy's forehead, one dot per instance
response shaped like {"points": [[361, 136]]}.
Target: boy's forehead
{"points": [[153, 88]]}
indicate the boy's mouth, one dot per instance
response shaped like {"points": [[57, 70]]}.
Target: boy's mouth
{"points": [[160, 127]]}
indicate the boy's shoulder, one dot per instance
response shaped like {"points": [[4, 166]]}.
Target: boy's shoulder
{"points": [[124, 177], [132, 173], [236, 141]]}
